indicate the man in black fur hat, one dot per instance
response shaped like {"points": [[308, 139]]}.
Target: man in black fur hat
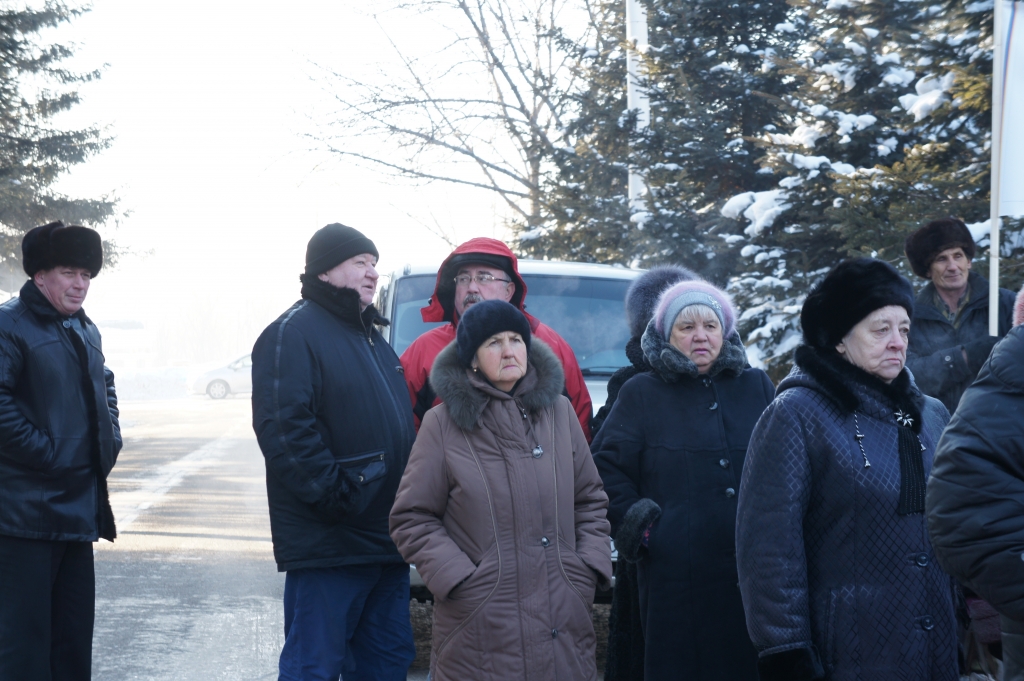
{"points": [[331, 414], [59, 439], [949, 339]]}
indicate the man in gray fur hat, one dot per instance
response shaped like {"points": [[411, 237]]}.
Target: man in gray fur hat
{"points": [[59, 439]]}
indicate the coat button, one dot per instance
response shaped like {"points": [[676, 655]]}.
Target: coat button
{"points": [[538, 452], [714, 406], [730, 492], [544, 541], [361, 478], [67, 323], [724, 463], [706, 381], [922, 559], [927, 623], [948, 358], [554, 633]]}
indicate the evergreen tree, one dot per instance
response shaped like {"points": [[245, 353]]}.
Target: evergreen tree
{"points": [[34, 88], [888, 130]]}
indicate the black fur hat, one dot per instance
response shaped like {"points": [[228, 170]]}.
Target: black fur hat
{"points": [[485, 319], [642, 296], [849, 293], [926, 243], [55, 244]]}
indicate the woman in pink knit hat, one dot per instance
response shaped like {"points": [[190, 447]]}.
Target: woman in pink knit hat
{"points": [[670, 454]]}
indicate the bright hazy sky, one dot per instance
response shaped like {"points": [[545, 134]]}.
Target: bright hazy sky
{"points": [[208, 101]]}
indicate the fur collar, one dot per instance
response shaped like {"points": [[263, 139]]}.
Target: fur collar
{"points": [[35, 301], [467, 395], [852, 388], [671, 365], [343, 303]]}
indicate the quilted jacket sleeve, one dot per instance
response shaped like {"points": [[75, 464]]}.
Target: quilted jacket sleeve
{"points": [[771, 560], [975, 501], [416, 518]]}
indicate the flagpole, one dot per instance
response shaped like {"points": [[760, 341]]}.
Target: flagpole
{"points": [[995, 219], [636, 97]]}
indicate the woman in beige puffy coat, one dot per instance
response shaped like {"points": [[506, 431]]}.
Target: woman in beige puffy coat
{"points": [[502, 511]]}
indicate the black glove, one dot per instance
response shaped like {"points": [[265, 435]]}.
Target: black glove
{"points": [[629, 538], [978, 351], [341, 501]]}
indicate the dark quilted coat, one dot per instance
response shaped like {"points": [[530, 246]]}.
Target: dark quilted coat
{"points": [[936, 352], [976, 491], [835, 583], [676, 440]]}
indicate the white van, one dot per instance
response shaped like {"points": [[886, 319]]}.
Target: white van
{"points": [[584, 303]]}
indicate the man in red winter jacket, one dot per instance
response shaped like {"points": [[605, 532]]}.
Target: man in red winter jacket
{"points": [[481, 269]]}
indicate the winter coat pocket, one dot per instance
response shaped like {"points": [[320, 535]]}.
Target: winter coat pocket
{"points": [[369, 470], [580, 576]]}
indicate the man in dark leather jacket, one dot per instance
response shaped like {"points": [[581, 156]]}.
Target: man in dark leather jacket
{"points": [[949, 339], [975, 501], [59, 439], [331, 414]]}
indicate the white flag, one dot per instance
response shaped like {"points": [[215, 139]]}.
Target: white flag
{"points": [[1011, 194]]}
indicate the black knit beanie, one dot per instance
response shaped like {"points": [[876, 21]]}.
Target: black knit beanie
{"points": [[333, 245], [485, 319], [849, 293], [55, 244]]}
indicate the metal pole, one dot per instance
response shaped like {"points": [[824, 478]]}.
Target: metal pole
{"points": [[995, 219], [636, 97]]}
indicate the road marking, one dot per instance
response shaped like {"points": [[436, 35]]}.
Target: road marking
{"points": [[128, 506]]}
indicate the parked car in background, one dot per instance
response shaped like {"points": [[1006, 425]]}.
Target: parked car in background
{"points": [[584, 303], [232, 379]]}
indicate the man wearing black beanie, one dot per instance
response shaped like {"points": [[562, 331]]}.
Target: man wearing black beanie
{"points": [[331, 415]]}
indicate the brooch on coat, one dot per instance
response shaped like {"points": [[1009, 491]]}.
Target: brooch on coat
{"points": [[903, 419]]}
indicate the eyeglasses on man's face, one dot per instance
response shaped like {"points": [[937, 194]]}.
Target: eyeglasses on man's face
{"points": [[481, 278]]}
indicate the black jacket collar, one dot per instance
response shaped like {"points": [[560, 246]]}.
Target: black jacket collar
{"points": [[853, 389], [41, 307], [924, 306], [343, 303]]}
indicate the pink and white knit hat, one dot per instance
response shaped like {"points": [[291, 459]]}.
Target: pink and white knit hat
{"points": [[686, 293]]}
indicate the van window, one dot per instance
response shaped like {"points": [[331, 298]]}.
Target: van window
{"points": [[587, 312]]}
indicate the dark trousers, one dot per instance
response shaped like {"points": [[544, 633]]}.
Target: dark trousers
{"points": [[351, 621], [1013, 649], [47, 609]]}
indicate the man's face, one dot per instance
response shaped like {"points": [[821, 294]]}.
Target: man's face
{"points": [[474, 283], [64, 287], [358, 273], [949, 269]]}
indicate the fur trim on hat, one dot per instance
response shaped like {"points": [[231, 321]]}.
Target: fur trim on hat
{"points": [[466, 403], [642, 296], [849, 293], [925, 244], [726, 310], [1018, 309], [55, 244]]}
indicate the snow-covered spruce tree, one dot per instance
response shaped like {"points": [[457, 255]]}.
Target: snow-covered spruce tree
{"points": [[586, 202], [861, 164], [713, 86]]}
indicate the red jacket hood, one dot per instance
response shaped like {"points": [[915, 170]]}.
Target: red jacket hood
{"points": [[442, 304]]}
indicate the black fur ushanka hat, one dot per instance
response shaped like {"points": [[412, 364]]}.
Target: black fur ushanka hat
{"points": [[849, 293], [55, 244], [923, 245]]}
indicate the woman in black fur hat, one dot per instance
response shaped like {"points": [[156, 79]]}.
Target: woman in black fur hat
{"points": [[838, 577], [670, 454]]}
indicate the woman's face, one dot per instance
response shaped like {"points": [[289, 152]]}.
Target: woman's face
{"points": [[878, 344], [699, 340], [502, 359]]}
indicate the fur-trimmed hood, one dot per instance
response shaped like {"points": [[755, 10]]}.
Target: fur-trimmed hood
{"points": [[670, 364], [852, 388], [467, 394]]}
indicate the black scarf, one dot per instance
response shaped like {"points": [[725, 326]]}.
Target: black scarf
{"points": [[343, 303], [901, 397]]}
